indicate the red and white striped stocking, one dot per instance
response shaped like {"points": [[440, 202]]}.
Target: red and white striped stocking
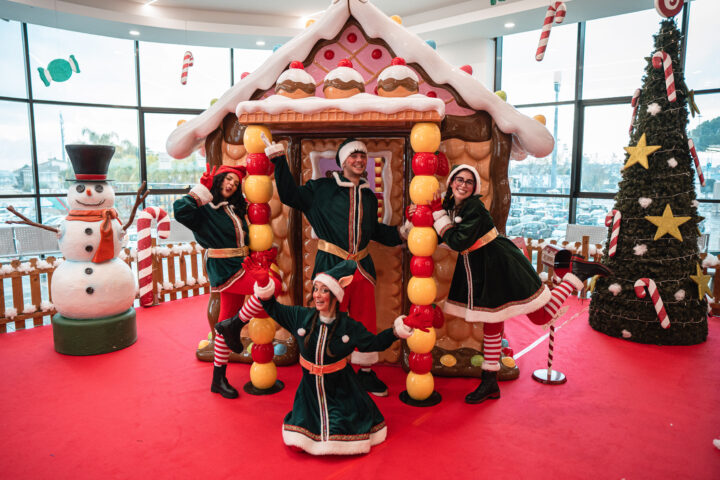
{"points": [[492, 344], [559, 294], [221, 352], [251, 308]]}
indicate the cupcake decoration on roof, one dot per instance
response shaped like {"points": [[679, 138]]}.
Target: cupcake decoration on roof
{"points": [[343, 81], [295, 82], [397, 80]]}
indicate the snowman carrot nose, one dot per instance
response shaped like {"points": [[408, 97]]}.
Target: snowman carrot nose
{"points": [[89, 192]]}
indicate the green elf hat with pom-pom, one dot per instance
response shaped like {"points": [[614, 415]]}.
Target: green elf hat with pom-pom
{"points": [[347, 148], [459, 168], [338, 277]]}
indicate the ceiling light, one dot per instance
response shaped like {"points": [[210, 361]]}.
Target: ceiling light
{"points": [[134, 33], [509, 25], [260, 43]]}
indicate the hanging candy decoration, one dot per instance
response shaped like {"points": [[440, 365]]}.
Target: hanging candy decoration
{"points": [[187, 63], [613, 219], [59, 70], [668, 8], [662, 60], [555, 13], [640, 287], [634, 104], [694, 154]]}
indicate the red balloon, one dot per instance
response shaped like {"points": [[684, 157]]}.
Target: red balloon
{"points": [[259, 213], [421, 266], [420, 363], [438, 317], [424, 312], [257, 164], [422, 216], [424, 163], [443, 165], [262, 352]]}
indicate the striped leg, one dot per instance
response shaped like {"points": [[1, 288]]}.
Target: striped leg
{"points": [[251, 308], [492, 344], [558, 296], [222, 352]]}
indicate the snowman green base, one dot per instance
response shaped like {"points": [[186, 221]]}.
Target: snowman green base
{"points": [[93, 336]]}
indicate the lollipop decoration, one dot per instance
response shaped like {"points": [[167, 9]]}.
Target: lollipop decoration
{"points": [[613, 219], [662, 60], [145, 246], [646, 283], [188, 61], [59, 70], [694, 154], [668, 8], [555, 13]]}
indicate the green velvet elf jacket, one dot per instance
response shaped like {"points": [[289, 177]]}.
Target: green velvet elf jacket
{"points": [[214, 228], [339, 212], [332, 414], [494, 282]]}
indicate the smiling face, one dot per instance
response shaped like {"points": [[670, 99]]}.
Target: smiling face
{"points": [[462, 185], [229, 186], [354, 165], [324, 299], [90, 196]]}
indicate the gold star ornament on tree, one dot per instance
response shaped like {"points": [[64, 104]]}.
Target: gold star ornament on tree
{"points": [[702, 282], [667, 223], [639, 153]]}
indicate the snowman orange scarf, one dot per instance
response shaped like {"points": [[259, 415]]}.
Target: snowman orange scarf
{"points": [[106, 249]]}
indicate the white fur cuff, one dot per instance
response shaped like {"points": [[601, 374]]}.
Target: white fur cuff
{"points": [[491, 366], [201, 192], [364, 359], [264, 293], [442, 224], [401, 330], [404, 229], [574, 281], [438, 214], [275, 150]]}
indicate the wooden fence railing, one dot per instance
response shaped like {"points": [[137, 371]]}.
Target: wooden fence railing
{"points": [[171, 280]]}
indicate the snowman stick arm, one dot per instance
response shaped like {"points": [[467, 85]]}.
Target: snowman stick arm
{"points": [[139, 199], [27, 221]]}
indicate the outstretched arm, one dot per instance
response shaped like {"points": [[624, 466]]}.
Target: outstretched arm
{"points": [[290, 194]]}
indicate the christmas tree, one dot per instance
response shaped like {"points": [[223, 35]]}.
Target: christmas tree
{"points": [[657, 238]]}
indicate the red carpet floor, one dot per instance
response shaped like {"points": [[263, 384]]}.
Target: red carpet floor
{"points": [[628, 411]]}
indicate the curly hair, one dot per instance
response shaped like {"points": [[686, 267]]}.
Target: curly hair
{"points": [[236, 201]]}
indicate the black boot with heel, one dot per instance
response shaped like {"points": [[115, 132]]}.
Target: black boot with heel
{"points": [[488, 388], [220, 383]]}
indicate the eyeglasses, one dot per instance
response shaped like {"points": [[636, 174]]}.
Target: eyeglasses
{"points": [[469, 182]]}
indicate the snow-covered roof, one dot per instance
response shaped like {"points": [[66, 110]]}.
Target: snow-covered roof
{"points": [[529, 136]]}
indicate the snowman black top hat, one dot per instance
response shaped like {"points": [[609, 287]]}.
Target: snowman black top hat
{"points": [[90, 162]]}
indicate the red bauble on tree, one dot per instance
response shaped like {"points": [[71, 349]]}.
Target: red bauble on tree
{"points": [[420, 363], [257, 164], [259, 213], [421, 266], [424, 163], [262, 352]]}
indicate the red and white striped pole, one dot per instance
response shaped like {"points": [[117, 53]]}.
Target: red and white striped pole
{"points": [[144, 246]]}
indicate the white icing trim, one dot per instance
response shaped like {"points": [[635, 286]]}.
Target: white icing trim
{"points": [[332, 284], [202, 193], [345, 74], [297, 75], [398, 72]]}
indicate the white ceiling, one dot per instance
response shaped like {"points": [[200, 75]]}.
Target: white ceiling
{"points": [[240, 23]]}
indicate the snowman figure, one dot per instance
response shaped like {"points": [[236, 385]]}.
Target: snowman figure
{"points": [[92, 290]]}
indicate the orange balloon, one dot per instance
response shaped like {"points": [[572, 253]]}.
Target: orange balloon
{"points": [[422, 342], [425, 137], [422, 241], [253, 141], [261, 237], [263, 375], [422, 189], [261, 330], [419, 387], [258, 188], [422, 290]]}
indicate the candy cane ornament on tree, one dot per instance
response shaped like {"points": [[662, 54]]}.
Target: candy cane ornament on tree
{"points": [[613, 219], [555, 13], [188, 61], [144, 247], [634, 103], [640, 287], [694, 154], [662, 60]]}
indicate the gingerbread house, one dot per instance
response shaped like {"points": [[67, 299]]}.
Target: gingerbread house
{"points": [[477, 127]]}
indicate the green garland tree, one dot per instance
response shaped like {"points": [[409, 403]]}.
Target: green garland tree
{"points": [[658, 230]]}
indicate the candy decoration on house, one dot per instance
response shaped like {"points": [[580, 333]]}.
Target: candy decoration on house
{"points": [[343, 81], [144, 249], [555, 13], [661, 60], [613, 220], [397, 80], [696, 160], [634, 104], [93, 290], [295, 82], [188, 61], [669, 8], [59, 70], [646, 283], [658, 205]]}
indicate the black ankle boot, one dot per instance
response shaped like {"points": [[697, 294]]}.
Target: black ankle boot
{"points": [[221, 385], [488, 388], [230, 330], [583, 269]]}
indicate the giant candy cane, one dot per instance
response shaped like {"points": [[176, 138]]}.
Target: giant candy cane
{"points": [[694, 154], [640, 287], [555, 13], [145, 246], [613, 220], [188, 61], [662, 60]]}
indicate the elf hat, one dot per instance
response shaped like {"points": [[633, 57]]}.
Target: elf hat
{"points": [[338, 277], [237, 170], [347, 148], [457, 169]]}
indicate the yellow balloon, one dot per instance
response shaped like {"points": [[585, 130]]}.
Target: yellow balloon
{"points": [[261, 237], [419, 387], [422, 241], [422, 189], [258, 188], [396, 19], [541, 119], [422, 290], [253, 141], [263, 375], [261, 330], [425, 137], [422, 342]]}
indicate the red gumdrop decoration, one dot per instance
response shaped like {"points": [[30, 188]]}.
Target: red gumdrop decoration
{"points": [[297, 64], [257, 164], [421, 266], [352, 38], [443, 165], [420, 363], [422, 216], [438, 317], [507, 351], [262, 352], [244, 74], [259, 213], [398, 61], [345, 63], [424, 163], [424, 312], [467, 69], [431, 94], [377, 53], [329, 54]]}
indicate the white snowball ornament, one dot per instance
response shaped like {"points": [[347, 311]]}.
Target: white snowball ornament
{"points": [[654, 108], [644, 202], [695, 203], [626, 334], [672, 162], [680, 295], [615, 289], [640, 250]]}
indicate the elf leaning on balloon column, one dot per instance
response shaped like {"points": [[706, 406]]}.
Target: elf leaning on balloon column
{"points": [[215, 212], [342, 211], [493, 280]]}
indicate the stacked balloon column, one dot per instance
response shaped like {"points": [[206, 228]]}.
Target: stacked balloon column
{"points": [[422, 242], [258, 191]]}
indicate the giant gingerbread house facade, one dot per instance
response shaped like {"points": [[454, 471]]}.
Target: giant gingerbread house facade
{"points": [[477, 128]]}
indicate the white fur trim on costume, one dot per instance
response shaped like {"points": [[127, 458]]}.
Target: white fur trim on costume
{"points": [[275, 150], [574, 281], [401, 330], [326, 320], [345, 339], [490, 366], [442, 224], [404, 229], [301, 332], [438, 214], [459, 169], [333, 447], [332, 284], [264, 293], [350, 148], [364, 359], [501, 313], [202, 193]]}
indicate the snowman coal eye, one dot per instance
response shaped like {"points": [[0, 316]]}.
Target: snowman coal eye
{"points": [[80, 188], [98, 188]]}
